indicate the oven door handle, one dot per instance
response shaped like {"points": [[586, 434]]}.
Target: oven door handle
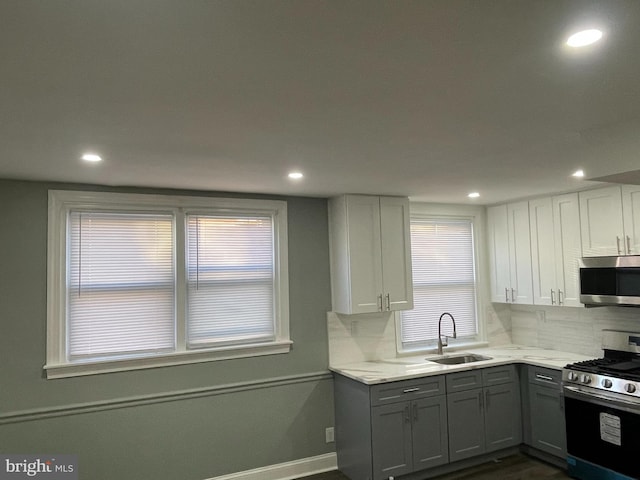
{"points": [[603, 399]]}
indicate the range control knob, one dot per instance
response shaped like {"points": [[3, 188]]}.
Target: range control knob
{"points": [[630, 388], [573, 376], [606, 383], [586, 379]]}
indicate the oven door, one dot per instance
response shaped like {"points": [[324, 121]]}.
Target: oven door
{"points": [[603, 435]]}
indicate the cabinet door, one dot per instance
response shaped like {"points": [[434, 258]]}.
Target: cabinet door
{"points": [[365, 263], [547, 422], [397, 277], [543, 258], [521, 289], [498, 235], [502, 416], [568, 248], [430, 443], [631, 210], [466, 424], [601, 222], [391, 440]]}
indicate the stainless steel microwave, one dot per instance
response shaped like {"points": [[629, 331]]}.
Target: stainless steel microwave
{"points": [[610, 281]]}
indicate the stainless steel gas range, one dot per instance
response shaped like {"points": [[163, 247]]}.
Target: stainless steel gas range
{"points": [[602, 409]]}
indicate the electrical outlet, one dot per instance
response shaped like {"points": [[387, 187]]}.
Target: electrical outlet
{"points": [[329, 435]]}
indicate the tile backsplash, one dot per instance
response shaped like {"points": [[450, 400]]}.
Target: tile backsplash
{"points": [[368, 337], [577, 330], [360, 338]]}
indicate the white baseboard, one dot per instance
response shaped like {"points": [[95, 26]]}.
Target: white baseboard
{"points": [[288, 470]]}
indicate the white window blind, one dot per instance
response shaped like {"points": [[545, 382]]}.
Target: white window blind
{"points": [[120, 284], [230, 279], [442, 253], [142, 281]]}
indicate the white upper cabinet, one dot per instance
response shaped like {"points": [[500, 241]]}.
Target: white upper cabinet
{"points": [[631, 216], [555, 250], [397, 277], [610, 221], [601, 222], [370, 254], [510, 253], [568, 248], [520, 253], [498, 239], [543, 256]]}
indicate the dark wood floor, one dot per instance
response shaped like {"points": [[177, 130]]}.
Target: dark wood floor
{"points": [[514, 467]]}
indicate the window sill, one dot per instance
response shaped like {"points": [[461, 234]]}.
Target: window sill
{"points": [[65, 370]]}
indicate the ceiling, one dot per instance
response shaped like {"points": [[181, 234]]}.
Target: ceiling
{"points": [[430, 99]]}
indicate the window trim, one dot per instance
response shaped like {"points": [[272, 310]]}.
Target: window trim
{"points": [[62, 201], [476, 215]]}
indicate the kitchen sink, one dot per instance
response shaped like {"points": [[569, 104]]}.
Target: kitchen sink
{"points": [[460, 358]]}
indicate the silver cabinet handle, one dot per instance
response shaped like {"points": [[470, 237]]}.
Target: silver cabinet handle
{"points": [[486, 399], [560, 299], [544, 377], [388, 303], [480, 399], [506, 294], [513, 296], [618, 244], [380, 302], [628, 245], [415, 412], [411, 390], [407, 414], [553, 299]]}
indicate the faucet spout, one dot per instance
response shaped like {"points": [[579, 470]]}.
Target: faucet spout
{"points": [[440, 342]]}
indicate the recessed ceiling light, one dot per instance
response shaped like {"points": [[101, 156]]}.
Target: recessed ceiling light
{"points": [[584, 38], [91, 157], [296, 175], [578, 174], [473, 195]]}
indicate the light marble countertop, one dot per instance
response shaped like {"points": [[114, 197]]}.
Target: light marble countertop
{"points": [[402, 368]]}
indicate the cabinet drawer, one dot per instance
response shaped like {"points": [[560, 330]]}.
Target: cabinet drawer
{"points": [[460, 381], [391, 392], [545, 376], [499, 375]]}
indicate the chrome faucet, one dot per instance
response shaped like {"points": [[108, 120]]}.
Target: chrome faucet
{"points": [[440, 342]]}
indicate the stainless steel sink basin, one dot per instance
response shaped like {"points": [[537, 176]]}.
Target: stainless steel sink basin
{"points": [[458, 359]]}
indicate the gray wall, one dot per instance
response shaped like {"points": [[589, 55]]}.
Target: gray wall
{"points": [[182, 422]]}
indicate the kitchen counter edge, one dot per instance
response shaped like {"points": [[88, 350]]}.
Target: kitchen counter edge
{"points": [[404, 368]]}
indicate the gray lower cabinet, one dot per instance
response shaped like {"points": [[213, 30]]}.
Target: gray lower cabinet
{"points": [[397, 428], [409, 436], [390, 429], [391, 439], [466, 424], [546, 411], [429, 433], [484, 411]]}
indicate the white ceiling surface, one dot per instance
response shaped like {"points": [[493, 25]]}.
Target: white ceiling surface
{"points": [[431, 99]]}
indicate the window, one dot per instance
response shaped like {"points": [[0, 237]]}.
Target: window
{"points": [[137, 281], [444, 280]]}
